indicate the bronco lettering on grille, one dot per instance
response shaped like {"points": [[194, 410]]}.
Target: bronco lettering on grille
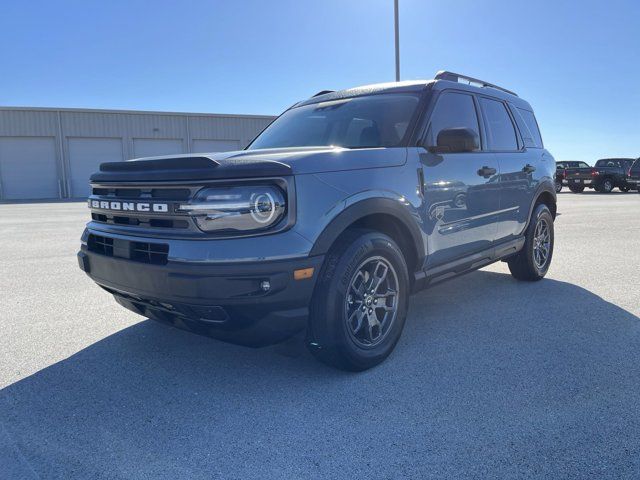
{"points": [[130, 206]]}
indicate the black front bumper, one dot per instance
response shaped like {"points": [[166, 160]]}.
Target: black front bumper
{"points": [[225, 301]]}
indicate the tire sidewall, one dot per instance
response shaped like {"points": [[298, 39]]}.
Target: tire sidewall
{"points": [[331, 300], [541, 211]]}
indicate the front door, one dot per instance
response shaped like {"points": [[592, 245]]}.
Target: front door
{"points": [[461, 190]]}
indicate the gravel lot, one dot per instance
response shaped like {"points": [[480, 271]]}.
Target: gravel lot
{"points": [[492, 377]]}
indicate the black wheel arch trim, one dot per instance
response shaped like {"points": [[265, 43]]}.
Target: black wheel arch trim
{"points": [[545, 187], [365, 208]]}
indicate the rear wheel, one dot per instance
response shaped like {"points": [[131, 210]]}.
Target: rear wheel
{"points": [[558, 186], [624, 189], [606, 186], [576, 189], [532, 262], [360, 304]]}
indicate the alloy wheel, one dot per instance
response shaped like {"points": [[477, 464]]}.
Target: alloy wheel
{"points": [[371, 303], [541, 243]]}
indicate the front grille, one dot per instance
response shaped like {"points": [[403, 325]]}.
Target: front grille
{"points": [[169, 220], [175, 194], [140, 221], [143, 252]]}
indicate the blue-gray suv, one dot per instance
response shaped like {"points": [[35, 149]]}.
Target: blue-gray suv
{"points": [[340, 209]]}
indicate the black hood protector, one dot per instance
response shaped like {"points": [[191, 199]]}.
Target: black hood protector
{"points": [[188, 168]]}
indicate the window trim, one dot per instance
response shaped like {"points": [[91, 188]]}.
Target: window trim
{"points": [[422, 138], [519, 141], [535, 119]]}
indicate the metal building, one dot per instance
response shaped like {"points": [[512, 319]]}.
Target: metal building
{"points": [[48, 153]]}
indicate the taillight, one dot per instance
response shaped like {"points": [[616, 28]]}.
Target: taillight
{"points": [[564, 173], [629, 172], [594, 172]]}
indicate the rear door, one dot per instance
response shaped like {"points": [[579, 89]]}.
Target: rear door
{"points": [[517, 166], [460, 189]]}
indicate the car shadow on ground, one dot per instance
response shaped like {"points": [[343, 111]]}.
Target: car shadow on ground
{"points": [[491, 377]]}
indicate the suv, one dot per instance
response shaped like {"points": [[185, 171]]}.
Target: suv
{"points": [[340, 209], [561, 172]]}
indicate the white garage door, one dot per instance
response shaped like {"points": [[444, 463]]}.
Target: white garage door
{"points": [[207, 146], [151, 147], [28, 168], [85, 157]]}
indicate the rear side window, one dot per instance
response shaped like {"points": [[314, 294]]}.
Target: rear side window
{"points": [[501, 134], [453, 110], [528, 127]]}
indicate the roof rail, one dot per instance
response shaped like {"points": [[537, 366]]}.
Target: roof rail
{"points": [[322, 92], [456, 77]]}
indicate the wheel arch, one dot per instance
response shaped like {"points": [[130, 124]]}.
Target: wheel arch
{"points": [[385, 215], [546, 195]]}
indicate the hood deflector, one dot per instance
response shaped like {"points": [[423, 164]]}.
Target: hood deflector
{"points": [[188, 168]]}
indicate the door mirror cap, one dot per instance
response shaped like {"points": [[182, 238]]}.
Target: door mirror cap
{"points": [[456, 140]]}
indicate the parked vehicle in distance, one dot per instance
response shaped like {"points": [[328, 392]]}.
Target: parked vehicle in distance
{"points": [[634, 175], [604, 176], [561, 172], [347, 203]]}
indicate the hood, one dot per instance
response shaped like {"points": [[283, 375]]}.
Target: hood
{"points": [[249, 164]]}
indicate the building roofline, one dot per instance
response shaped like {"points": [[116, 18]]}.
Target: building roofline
{"points": [[136, 112]]}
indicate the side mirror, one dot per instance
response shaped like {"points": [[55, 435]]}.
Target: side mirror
{"points": [[456, 140]]}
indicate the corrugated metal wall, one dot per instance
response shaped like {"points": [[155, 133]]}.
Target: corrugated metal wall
{"points": [[49, 153]]}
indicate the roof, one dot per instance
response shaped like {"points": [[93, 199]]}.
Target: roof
{"points": [[437, 84]]}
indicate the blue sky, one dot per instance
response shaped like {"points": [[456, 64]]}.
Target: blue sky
{"points": [[577, 63]]}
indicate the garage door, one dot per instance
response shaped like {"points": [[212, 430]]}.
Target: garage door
{"points": [[85, 157], [28, 168], [151, 147], [206, 146]]}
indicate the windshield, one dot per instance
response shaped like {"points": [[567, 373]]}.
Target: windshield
{"points": [[359, 122]]}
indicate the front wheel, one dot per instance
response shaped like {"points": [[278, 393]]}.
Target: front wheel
{"points": [[360, 304], [624, 189], [532, 262]]}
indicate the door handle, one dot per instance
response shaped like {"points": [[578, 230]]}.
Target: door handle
{"points": [[486, 172], [529, 168]]}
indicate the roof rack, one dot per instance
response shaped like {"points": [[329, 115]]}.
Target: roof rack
{"points": [[456, 77], [322, 92]]}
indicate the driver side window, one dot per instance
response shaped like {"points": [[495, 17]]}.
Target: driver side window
{"points": [[453, 110]]}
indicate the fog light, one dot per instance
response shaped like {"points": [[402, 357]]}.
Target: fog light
{"points": [[265, 285]]}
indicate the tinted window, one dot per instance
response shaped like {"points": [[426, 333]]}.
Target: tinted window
{"points": [[583, 165], [359, 122], [453, 110], [531, 126], [501, 134], [608, 162]]}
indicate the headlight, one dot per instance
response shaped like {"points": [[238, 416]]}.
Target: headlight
{"points": [[236, 209]]}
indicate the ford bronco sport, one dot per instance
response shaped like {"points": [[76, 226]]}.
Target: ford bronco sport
{"points": [[339, 210]]}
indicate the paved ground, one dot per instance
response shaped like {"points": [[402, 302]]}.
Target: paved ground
{"points": [[492, 378]]}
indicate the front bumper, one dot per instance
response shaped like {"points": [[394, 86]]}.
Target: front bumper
{"points": [[226, 301]]}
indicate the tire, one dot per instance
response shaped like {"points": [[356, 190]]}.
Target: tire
{"points": [[624, 189], [526, 264], [606, 186], [339, 332], [576, 189], [558, 186]]}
